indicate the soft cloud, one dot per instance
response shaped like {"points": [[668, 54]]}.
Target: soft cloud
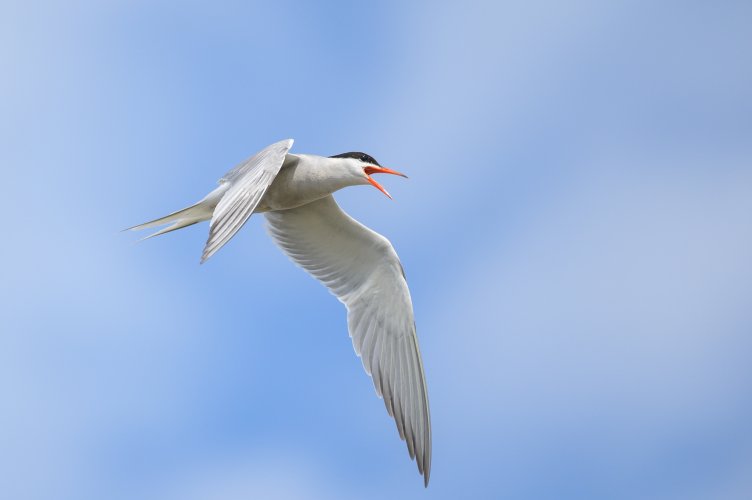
{"points": [[575, 233], [280, 473], [615, 316]]}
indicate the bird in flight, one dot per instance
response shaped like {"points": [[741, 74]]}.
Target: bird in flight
{"points": [[358, 265]]}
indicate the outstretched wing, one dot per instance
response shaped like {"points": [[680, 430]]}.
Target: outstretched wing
{"points": [[362, 269], [247, 184]]}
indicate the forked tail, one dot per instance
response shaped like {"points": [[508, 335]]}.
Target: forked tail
{"points": [[231, 204], [201, 211]]}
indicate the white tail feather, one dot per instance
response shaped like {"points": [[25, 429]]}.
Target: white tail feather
{"points": [[201, 211], [178, 225]]}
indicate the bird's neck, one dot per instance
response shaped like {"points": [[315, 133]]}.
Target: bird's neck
{"points": [[306, 178]]}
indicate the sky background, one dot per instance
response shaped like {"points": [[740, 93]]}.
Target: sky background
{"points": [[576, 232]]}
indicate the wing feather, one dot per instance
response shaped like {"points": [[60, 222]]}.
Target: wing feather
{"points": [[362, 269], [247, 184]]}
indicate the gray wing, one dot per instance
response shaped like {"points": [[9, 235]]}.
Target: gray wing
{"points": [[362, 269], [247, 184]]}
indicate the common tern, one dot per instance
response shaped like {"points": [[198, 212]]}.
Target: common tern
{"points": [[358, 265]]}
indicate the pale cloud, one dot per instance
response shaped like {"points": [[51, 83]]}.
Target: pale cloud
{"points": [[282, 473], [615, 314], [575, 230]]}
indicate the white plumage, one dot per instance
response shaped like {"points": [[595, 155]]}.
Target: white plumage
{"points": [[358, 265]]}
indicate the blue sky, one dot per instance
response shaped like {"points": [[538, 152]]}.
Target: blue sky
{"points": [[575, 230]]}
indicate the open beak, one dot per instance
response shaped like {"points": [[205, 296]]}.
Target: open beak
{"points": [[371, 169]]}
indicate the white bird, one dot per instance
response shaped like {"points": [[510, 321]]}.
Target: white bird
{"points": [[358, 265]]}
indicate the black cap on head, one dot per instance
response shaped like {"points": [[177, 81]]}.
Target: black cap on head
{"points": [[358, 156]]}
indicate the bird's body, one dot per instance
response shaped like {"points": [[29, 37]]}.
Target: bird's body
{"points": [[358, 265], [301, 180]]}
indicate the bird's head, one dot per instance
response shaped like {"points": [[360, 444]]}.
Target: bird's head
{"points": [[363, 166]]}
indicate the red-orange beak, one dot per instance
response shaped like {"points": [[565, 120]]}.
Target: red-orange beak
{"points": [[371, 169]]}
